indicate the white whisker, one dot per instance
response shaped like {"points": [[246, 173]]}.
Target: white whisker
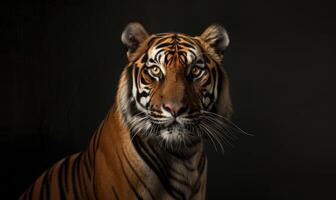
{"points": [[228, 121], [209, 135]]}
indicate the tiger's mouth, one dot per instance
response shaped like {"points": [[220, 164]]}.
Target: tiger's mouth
{"points": [[171, 121], [176, 133], [174, 128], [179, 130]]}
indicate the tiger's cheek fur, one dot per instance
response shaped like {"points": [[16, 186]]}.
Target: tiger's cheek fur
{"points": [[140, 91]]}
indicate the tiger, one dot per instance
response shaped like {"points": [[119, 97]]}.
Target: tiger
{"points": [[172, 97]]}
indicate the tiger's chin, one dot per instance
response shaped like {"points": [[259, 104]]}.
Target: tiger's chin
{"points": [[178, 136]]}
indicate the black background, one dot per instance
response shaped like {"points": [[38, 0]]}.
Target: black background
{"points": [[61, 60]]}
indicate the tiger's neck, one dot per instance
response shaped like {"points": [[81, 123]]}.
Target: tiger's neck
{"points": [[129, 169]]}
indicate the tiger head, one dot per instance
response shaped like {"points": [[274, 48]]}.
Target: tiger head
{"points": [[174, 87]]}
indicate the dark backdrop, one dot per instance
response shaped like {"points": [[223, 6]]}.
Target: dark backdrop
{"points": [[60, 62]]}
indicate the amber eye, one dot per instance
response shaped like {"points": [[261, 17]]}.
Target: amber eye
{"points": [[196, 71], [155, 71]]}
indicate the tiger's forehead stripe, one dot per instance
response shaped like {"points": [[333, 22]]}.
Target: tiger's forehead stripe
{"points": [[163, 48]]}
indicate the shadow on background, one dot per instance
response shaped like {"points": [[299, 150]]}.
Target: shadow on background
{"points": [[61, 60]]}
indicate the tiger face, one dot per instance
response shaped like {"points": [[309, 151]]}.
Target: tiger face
{"points": [[172, 82]]}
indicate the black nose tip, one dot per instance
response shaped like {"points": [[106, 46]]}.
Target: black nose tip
{"points": [[175, 109]]}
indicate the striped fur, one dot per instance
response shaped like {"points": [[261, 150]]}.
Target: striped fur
{"points": [[141, 150]]}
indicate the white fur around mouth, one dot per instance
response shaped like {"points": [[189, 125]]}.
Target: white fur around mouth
{"points": [[174, 134]]}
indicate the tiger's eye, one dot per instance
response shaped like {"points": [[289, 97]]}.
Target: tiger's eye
{"points": [[196, 71], [155, 71]]}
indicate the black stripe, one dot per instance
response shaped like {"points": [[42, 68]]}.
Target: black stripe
{"points": [[144, 58], [187, 45], [45, 186], [74, 182], [190, 168], [60, 180], [160, 171], [164, 163], [115, 193], [183, 156], [161, 40], [168, 168], [142, 94], [87, 165], [196, 188], [138, 176], [98, 134], [158, 56], [188, 39], [139, 147], [219, 82], [132, 107], [78, 175], [180, 181], [65, 173], [129, 78], [166, 44], [85, 171], [151, 41], [127, 179], [201, 165]]}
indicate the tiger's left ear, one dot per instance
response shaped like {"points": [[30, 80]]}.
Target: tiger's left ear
{"points": [[217, 37], [132, 36]]}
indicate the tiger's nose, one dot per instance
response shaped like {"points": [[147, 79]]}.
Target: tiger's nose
{"points": [[175, 109]]}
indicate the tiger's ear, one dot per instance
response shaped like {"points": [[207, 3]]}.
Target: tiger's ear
{"points": [[132, 36], [217, 37]]}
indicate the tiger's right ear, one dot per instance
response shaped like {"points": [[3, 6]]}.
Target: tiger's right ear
{"points": [[217, 37], [133, 35]]}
